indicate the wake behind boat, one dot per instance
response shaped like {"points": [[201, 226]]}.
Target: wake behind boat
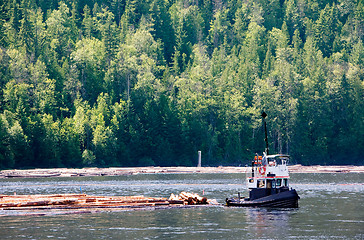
{"points": [[268, 182]]}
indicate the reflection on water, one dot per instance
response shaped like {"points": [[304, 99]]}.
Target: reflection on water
{"points": [[330, 207]]}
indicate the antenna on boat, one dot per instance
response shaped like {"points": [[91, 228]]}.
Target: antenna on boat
{"points": [[264, 115]]}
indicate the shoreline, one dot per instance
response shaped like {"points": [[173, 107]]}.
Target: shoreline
{"points": [[120, 171]]}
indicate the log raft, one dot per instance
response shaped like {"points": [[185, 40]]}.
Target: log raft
{"points": [[70, 172], [84, 201]]}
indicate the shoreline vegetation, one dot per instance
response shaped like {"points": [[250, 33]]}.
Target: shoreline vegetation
{"points": [[118, 171], [150, 83]]}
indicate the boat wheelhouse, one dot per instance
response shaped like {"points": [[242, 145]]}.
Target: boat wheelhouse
{"points": [[268, 175]]}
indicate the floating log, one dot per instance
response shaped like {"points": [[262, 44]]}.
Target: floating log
{"points": [[32, 175], [189, 198], [84, 201]]}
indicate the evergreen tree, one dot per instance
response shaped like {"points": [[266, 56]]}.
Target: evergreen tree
{"points": [[163, 27], [325, 26]]}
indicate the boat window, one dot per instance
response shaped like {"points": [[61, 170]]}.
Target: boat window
{"points": [[285, 182], [272, 163], [269, 183], [274, 184], [260, 183], [279, 182]]}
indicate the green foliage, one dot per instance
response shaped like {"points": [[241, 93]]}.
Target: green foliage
{"points": [[133, 83], [88, 158], [89, 58], [325, 28]]}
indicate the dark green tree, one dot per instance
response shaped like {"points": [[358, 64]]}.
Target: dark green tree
{"points": [[325, 27], [162, 26]]}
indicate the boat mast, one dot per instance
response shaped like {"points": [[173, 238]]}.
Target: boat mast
{"points": [[264, 115]]}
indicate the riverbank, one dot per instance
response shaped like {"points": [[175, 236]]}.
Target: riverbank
{"points": [[114, 171]]}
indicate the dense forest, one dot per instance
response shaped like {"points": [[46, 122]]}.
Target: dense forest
{"points": [[143, 83]]}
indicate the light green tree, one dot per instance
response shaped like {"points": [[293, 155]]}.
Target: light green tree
{"points": [[89, 58]]}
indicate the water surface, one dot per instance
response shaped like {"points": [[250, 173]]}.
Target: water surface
{"points": [[331, 207]]}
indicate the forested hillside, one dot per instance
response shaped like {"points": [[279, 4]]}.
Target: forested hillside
{"points": [[135, 83]]}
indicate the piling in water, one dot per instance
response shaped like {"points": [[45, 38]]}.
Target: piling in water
{"points": [[199, 159]]}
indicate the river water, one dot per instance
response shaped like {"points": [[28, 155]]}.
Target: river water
{"points": [[331, 207]]}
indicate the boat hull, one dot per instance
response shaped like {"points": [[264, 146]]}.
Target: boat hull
{"points": [[286, 199]]}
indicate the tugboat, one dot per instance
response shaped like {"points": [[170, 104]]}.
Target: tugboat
{"points": [[268, 182]]}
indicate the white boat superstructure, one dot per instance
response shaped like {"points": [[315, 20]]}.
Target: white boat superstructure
{"points": [[268, 172]]}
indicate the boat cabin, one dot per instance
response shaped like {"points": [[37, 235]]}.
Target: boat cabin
{"points": [[268, 175]]}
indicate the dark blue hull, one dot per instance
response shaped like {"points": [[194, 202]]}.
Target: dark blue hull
{"points": [[286, 199]]}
